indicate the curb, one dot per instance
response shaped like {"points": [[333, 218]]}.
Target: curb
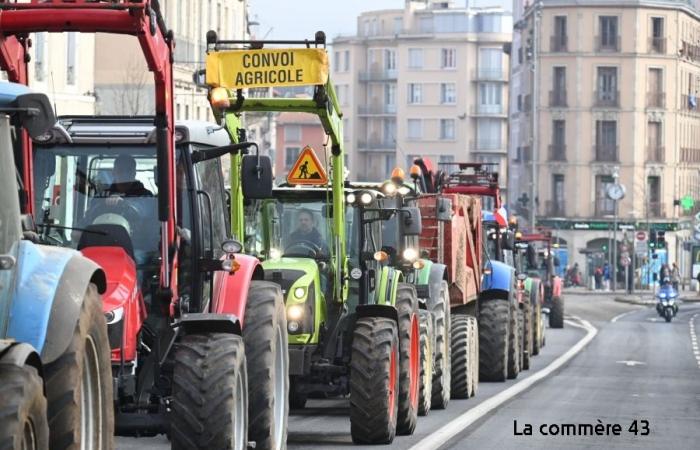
{"points": [[635, 301]]}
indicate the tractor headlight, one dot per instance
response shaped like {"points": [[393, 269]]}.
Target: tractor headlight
{"points": [[403, 190], [410, 254], [275, 253], [293, 326], [299, 293], [389, 189], [114, 315], [295, 313], [350, 198], [366, 198]]}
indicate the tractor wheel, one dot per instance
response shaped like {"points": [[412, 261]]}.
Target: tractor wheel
{"points": [[409, 361], [474, 346], [374, 381], [79, 384], [515, 343], [297, 400], [442, 372], [427, 345], [526, 316], [494, 337], [536, 314], [24, 425], [556, 313], [267, 354], [462, 353], [210, 393]]}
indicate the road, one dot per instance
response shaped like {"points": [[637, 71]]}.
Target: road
{"points": [[633, 368]]}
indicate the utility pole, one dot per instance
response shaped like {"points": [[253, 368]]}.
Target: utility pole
{"points": [[535, 114]]}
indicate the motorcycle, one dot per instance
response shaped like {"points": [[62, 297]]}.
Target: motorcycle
{"points": [[666, 305]]}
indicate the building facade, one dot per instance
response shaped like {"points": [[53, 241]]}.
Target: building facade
{"points": [[430, 79], [616, 94]]}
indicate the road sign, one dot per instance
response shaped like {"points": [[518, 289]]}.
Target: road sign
{"points": [[307, 170], [687, 203], [641, 236]]}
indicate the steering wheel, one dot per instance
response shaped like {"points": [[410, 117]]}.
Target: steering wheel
{"points": [[122, 208], [303, 249]]}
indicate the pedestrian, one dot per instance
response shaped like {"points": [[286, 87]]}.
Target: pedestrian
{"points": [[606, 277], [675, 276], [598, 276]]}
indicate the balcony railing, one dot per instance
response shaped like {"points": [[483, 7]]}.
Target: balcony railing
{"points": [[655, 154], [558, 43], [607, 99], [606, 153], [557, 98], [554, 208], [381, 75], [656, 99], [487, 145], [657, 45], [488, 110], [610, 44], [490, 74], [557, 152], [371, 110], [656, 209], [377, 144]]}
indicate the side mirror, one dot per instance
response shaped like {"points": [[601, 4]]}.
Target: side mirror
{"points": [[199, 78], [522, 276], [444, 209], [256, 176], [36, 114], [412, 223]]}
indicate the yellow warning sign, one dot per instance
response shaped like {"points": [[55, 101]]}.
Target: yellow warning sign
{"points": [[307, 170], [240, 69]]}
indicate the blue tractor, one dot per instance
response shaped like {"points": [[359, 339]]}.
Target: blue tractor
{"points": [[55, 376]]}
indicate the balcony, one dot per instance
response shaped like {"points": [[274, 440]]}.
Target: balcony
{"points": [[554, 208], [657, 45], [489, 111], [490, 74], [558, 43], [487, 145], [609, 44], [656, 99], [377, 145], [655, 154], [381, 75], [557, 98], [656, 210], [606, 153], [376, 110], [607, 99], [557, 152]]}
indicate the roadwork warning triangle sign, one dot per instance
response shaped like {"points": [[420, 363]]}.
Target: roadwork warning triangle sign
{"points": [[307, 170]]}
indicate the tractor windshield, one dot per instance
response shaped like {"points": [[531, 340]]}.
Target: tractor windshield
{"points": [[84, 191]]}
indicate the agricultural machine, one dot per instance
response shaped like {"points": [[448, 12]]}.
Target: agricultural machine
{"points": [[54, 351], [482, 285], [180, 302], [352, 321]]}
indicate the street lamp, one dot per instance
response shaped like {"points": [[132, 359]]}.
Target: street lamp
{"points": [[616, 192], [535, 112]]}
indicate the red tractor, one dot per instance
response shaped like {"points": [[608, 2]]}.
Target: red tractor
{"points": [[193, 327]]}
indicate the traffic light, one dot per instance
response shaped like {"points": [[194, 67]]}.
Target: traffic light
{"points": [[660, 239], [652, 239]]}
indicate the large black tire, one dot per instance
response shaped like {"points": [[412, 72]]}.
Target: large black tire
{"points": [[494, 337], [210, 393], [515, 342], [24, 425], [409, 361], [474, 346], [462, 353], [442, 372], [528, 344], [85, 367], [427, 347], [267, 356], [374, 381], [556, 313]]}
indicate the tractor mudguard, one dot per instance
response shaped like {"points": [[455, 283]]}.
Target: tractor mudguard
{"points": [[19, 354], [386, 311], [499, 282], [389, 279], [231, 290], [51, 285], [432, 275], [193, 323], [556, 287]]}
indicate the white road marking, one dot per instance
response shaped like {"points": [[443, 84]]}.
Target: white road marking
{"points": [[631, 363], [694, 339], [620, 316], [459, 424]]}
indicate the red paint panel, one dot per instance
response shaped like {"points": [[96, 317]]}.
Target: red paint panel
{"points": [[231, 290]]}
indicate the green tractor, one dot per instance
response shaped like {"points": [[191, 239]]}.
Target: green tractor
{"points": [[353, 325]]}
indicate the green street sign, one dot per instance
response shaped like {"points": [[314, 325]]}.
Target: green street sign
{"points": [[687, 203]]}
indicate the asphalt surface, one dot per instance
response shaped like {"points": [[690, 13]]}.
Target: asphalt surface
{"points": [[634, 368]]}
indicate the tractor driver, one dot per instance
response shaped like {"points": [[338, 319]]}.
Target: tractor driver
{"points": [[124, 182], [306, 231]]}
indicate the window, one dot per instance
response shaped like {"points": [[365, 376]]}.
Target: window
{"points": [[447, 129], [346, 129], [491, 63], [607, 86], [390, 97], [177, 112], [390, 59], [655, 89], [39, 56], [187, 112], [342, 93], [415, 58], [365, 27], [346, 60], [557, 151], [389, 127], [490, 100], [655, 151], [290, 156], [558, 94], [336, 61], [608, 38], [558, 189], [415, 129], [415, 96], [654, 196], [442, 159], [448, 93], [603, 204], [606, 140], [292, 133], [389, 164], [658, 42], [559, 40], [71, 50], [489, 133], [449, 58], [398, 25]]}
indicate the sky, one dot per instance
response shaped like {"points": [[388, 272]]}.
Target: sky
{"points": [[300, 19]]}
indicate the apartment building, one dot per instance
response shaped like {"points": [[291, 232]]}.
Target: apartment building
{"points": [[430, 79], [294, 132], [618, 85]]}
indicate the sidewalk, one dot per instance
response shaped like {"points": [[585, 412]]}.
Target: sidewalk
{"points": [[640, 297]]}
